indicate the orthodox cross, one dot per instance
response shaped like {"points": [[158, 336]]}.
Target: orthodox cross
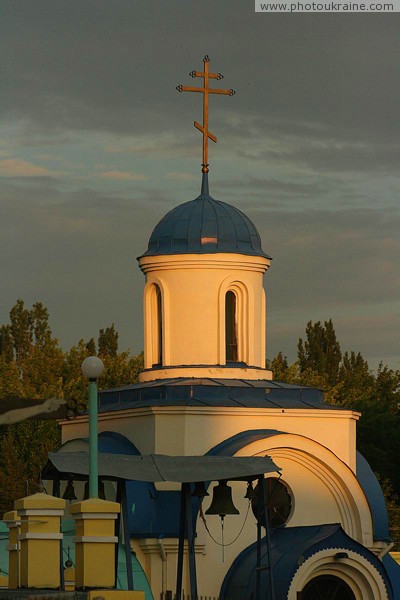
{"points": [[205, 90]]}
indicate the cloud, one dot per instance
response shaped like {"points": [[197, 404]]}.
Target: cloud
{"points": [[308, 148], [14, 167], [181, 176], [300, 70], [122, 175]]}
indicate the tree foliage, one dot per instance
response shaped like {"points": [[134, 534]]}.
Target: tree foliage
{"points": [[33, 365], [320, 351]]}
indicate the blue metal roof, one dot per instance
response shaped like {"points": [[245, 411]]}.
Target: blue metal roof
{"points": [[205, 226], [376, 501], [393, 569], [290, 546], [213, 392]]}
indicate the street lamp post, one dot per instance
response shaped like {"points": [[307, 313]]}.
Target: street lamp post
{"points": [[93, 368]]}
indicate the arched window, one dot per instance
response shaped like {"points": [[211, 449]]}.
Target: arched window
{"points": [[159, 327], [231, 343]]}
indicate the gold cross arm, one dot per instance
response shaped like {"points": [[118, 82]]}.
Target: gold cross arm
{"points": [[204, 132], [205, 90], [204, 74], [185, 88]]}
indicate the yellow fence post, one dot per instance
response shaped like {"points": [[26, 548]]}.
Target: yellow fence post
{"points": [[40, 537], [12, 521], [95, 542]]}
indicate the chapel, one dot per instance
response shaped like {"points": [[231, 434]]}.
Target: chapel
{"points": [[205, 390]]}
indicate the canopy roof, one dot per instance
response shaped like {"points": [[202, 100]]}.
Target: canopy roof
{"points": [[158, 467]]}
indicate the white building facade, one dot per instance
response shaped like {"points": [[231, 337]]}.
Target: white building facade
{"points": [[205, 390]]}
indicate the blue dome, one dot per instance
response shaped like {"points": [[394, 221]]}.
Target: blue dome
{"points": [[205, 226]]}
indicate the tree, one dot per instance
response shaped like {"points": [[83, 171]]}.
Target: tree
{"points": [[6, 343], [21, 331], [392, 501], [32, 365], [91, 347], [321, 351], [24, 448], [74, 384], [108, 341]]}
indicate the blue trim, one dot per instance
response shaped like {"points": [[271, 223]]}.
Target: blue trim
{"points": [[375, 499]]}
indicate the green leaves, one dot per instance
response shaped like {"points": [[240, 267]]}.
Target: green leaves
{"points": [[321, 350], [33, 365]]}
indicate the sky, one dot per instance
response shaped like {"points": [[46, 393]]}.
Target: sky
{"points": [[96, 145]]}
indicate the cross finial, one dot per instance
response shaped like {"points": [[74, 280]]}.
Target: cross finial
{"points": [[205, 90]]}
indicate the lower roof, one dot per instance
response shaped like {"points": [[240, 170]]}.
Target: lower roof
{"points": [[187, 391]]}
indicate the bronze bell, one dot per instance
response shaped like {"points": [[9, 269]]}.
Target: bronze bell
{"points": [[222, 503], [69, 493], [199, 490], [250, 492]]}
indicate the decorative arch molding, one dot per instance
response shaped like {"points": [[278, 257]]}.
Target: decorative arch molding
{"points": [[331, 472], [361, 575], [244, 320], [152, 325]]}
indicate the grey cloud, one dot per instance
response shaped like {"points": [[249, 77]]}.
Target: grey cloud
{"points": [[376, 338], [94, 65], [271, 186], [331, 156], [314, 120], [328, 259]]}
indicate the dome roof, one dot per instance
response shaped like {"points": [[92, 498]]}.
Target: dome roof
{"points": [[205, 226]]}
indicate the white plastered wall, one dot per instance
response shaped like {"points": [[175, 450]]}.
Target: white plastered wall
{"points": [[193, 289], [317, 457]]}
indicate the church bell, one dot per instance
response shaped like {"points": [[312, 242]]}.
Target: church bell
{"points": [[250, 492], [69, 493], [222, 503], [200, 490]]}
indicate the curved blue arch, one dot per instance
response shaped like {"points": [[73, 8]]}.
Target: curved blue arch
{"points": [[116, 443], [111, 442], [376, 501], [233, 444]]}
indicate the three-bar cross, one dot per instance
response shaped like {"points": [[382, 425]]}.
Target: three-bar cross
{"points": [[205, 90]]}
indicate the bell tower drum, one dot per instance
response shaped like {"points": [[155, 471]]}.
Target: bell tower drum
{"points": [[204, 302]]}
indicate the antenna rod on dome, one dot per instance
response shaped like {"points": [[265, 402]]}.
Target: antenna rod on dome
{"points": [[205, 90]]}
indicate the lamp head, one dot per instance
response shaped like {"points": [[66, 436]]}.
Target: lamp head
{"points": [[92, 368]]}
